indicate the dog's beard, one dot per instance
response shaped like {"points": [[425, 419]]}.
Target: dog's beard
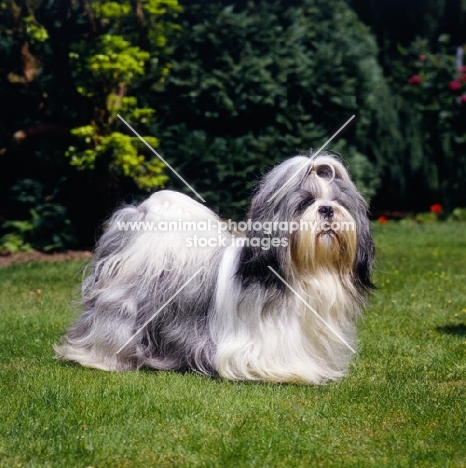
{"points": [[328, 244]]}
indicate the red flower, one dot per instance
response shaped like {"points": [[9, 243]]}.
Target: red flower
{"points": [[454, 85], [436, 209], [463, 77], [416, 79], [383, 220], [462, 69], [422, 58], [463, 99]]}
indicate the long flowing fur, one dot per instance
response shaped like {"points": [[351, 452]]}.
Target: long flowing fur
{"points": [[235, 318]]}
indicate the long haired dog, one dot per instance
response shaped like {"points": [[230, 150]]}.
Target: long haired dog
{"points": [[275, 304]]}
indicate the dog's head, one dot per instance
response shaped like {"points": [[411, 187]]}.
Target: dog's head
{"points": [[314, 208]]}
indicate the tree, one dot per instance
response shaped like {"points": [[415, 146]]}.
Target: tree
{"points": [[70, 68], [252, 86], [429, 83]]}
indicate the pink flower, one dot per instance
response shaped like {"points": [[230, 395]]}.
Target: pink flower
{"points": [[416, 79], [463, 99], [454, 85], [463, 77], [462, 69], [436, 209]]}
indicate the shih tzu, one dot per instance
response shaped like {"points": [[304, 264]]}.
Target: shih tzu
{"points": [[275, 299]]}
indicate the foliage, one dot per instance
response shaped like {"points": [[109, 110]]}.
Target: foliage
{"points": [[426, 218], [74, 66], [233, 91], [363, 171], [458, 214], [124, 158], [250, 87], [14, 242], [430, 85], [46, 227], [399, 22], [430, 117]]}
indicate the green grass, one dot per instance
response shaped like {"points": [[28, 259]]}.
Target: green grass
{"points": [[402, 404]]}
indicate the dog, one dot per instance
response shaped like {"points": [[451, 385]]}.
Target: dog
{"points": [[260, 303]]}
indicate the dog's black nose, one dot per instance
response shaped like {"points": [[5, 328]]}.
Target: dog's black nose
{"points": [[326, 211]]}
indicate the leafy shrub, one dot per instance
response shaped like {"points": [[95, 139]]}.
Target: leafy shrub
{"points": [[430, 84], [458, 214], [68, 69], [426, 218], [251, 87], [46, 225]]}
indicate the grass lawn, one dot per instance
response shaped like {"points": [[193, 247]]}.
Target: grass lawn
{"points": [[402, 404]]}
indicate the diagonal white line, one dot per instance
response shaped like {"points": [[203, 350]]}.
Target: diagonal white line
{"points": [[161, 308], [158, 155], [310, 159], [312, 309]]}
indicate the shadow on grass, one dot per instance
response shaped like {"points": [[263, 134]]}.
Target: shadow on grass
{"points": [[458, 329]]}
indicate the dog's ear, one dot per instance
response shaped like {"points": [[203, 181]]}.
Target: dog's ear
{"points": [[365, 248], [365, 252], [262, 248], [363, 269]]}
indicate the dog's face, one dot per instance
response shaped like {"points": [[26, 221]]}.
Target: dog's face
{"points": [[334, 230], [327, 237]]}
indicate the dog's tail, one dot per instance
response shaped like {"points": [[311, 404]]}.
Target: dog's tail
{"points": [[144, 256]]}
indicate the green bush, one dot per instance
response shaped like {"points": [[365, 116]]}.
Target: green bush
{"points": [[458, 214], [68, 69], [426, 218], [228, 94], [47, 226], [431, 92], [251, 87]]}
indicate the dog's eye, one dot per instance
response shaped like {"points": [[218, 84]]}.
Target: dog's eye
{"points": [[306, 203]]}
